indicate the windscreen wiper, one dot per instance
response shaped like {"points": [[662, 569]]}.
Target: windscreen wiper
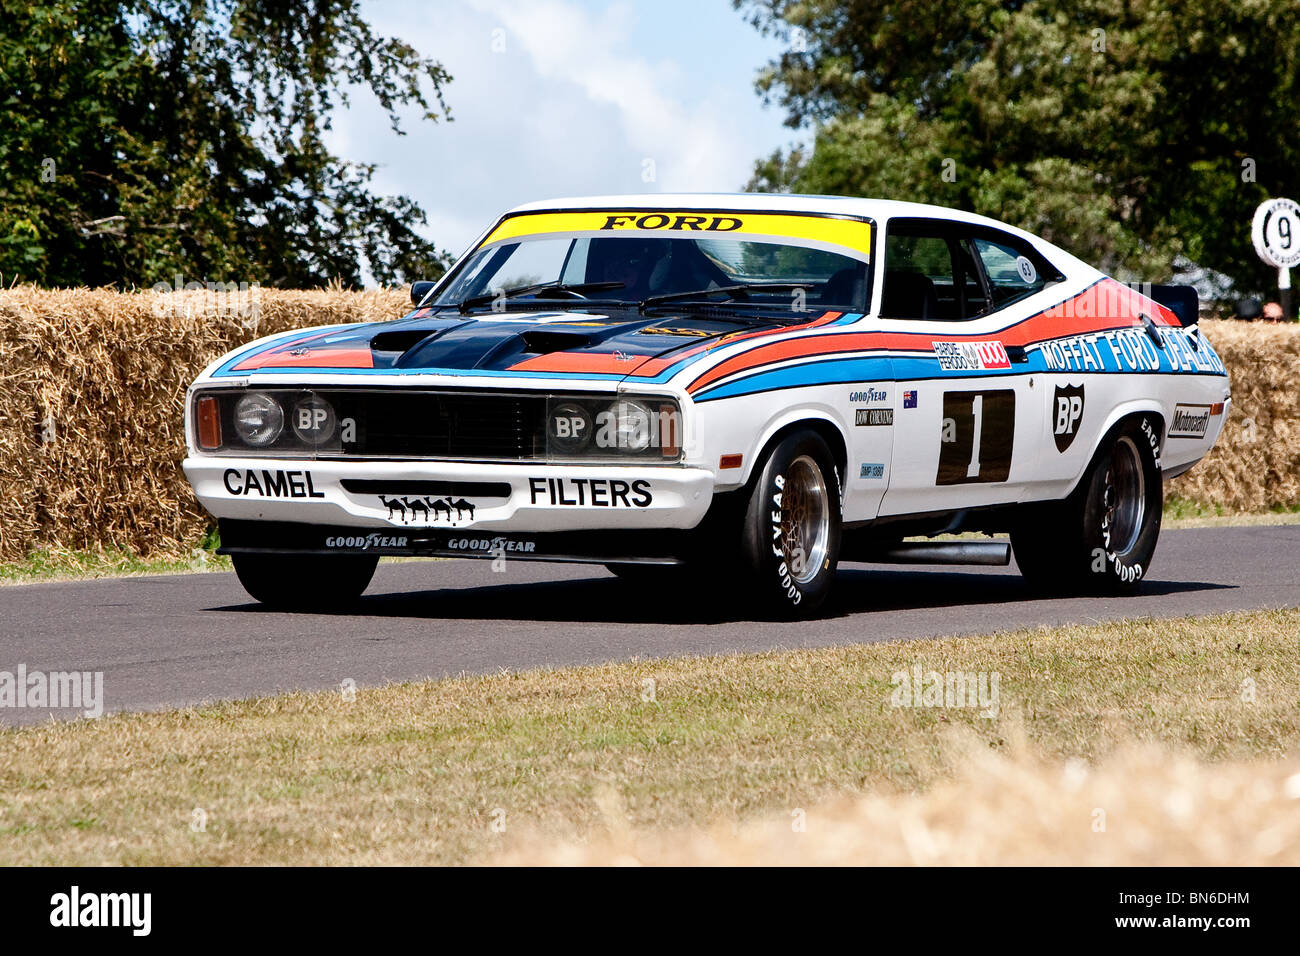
{"points": [[487, 298], [739, 291]]}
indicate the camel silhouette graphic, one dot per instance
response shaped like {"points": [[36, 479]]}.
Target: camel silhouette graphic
{"points": [[428, 508], [416, 506]]}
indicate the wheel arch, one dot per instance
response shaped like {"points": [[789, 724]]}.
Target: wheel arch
{"points": [[821, 423], [1119, 416]]}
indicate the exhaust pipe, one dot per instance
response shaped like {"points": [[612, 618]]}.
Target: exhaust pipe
{"points": [[995, 553]]}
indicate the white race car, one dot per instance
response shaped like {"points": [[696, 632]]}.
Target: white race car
{"points": [[741, 390]]}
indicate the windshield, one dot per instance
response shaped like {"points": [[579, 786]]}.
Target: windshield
{"points": [[634, 267]]}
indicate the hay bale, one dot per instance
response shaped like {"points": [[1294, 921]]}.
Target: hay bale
{"points": [[92, 408], [1255, 465]]}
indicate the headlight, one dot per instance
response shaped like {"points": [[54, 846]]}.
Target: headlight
{"points": [[313, 420], [631, 425], [569, 427], [259, 419]]}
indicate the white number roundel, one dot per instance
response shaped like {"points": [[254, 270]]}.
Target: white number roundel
{"points": [[1276, 232]]}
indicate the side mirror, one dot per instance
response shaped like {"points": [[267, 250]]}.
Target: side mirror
{"points": [[419, 290]]}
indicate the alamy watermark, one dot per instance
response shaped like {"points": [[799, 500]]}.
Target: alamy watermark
{"points": [[55, 690], [238, 299], [973, 689]]}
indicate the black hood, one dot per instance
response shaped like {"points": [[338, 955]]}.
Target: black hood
{"points": [[500, 342]]}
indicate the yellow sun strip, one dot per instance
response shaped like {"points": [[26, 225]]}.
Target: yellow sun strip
{"points": [[851, 233]]}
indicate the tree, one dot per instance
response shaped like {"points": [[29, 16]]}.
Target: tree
{"points": [[143, 140], [1130, 132]]}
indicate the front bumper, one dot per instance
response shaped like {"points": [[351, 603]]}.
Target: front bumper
{"points": [[598, 547], [414, 498]]}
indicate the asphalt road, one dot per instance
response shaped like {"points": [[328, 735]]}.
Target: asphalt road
{"points": [[184, 639]]}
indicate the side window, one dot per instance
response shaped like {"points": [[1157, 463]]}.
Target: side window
{"points": [[1014, 270], [918, 277], [931, 274]]}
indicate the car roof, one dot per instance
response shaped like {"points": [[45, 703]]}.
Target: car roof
{"points": [[878, 209]]}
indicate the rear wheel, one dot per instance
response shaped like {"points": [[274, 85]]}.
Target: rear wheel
{"points": [[1102, 538], [305, 582]]}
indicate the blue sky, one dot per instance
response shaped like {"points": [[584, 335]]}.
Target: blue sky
{"points": [[577, 98]]}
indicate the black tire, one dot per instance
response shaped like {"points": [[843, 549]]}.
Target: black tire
{"points": [[305, 582], [790, 535], [1102, 538]]}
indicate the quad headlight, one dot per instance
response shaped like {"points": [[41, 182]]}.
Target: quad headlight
{"points": [[313, 420], [434, 424], [272, 421], [633, 423], [642, 427], [259, 419]]}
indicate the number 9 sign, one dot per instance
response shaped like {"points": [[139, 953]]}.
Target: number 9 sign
{"points": [[1276, 233]]}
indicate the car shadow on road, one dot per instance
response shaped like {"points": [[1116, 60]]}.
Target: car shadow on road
{"points": [[604, 599]]}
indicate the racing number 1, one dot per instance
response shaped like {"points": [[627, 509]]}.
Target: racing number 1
{"points": [[977, 436], [977, 413]]}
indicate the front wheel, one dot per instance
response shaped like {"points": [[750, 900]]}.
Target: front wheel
{"points": [[790, 539], [1102, 538], [305, 582]]}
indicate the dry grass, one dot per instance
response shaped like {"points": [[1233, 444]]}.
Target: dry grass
{"points": [[1143, 807], [108, 371], [419, 773]]}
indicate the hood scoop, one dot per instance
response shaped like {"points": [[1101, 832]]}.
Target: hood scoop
{"points": [[544, 341], [399, 340]]}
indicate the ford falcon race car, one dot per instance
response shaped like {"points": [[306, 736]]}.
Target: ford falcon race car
{"points": [[738, 391]]}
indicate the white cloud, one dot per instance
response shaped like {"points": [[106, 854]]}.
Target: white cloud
{"points": [[685, 135], [574, 105]]}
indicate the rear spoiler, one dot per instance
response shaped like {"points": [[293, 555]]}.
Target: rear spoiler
{"points": [[1181, 300]]}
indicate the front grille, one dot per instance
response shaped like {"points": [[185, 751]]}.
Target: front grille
{"points": [[459, 425], [407, 423]]}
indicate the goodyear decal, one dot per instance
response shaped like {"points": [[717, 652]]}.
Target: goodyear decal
{"points": [[852, 234]]}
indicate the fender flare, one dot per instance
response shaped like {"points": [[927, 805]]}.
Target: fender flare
{"points": [[823, 414], [1129, 409]]}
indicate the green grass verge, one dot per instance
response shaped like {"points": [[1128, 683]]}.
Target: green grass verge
{"points": [[430, 772], [55, 564]]}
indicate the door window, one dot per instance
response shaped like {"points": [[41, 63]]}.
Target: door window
{"points": [[951, 271]]}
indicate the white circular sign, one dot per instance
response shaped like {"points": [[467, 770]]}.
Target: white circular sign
{"points": [[1026, 269], [1275, 231]]}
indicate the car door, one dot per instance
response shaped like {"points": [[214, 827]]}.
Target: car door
{"points": [[970, 422]]}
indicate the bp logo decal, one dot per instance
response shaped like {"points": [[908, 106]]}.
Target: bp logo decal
{"points": [[1068, 412]]}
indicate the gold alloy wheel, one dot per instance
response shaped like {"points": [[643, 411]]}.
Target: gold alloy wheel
{"points": [[805, 519]]}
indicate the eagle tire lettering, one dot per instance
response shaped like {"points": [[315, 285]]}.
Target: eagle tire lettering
{"points": [[1153, 438]]}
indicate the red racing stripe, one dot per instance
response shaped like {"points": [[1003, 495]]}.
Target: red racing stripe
{"points": [[1070, 317], [310, 358]]}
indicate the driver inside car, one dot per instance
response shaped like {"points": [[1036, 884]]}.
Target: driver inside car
{"points": [[641, 265]]}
